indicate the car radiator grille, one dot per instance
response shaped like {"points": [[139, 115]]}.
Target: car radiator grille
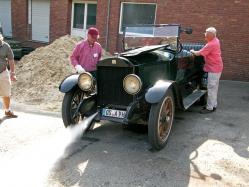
{"points": [[110, 86]]}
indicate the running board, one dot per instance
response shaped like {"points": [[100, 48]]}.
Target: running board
{"points": [[192, 98]]}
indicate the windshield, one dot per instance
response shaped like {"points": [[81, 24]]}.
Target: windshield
{"points": [[139, 36]]}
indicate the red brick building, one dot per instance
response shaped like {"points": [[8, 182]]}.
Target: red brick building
{"points": [[42, 21]]}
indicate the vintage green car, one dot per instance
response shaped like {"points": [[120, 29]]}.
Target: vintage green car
{"points": [[142, 85]]}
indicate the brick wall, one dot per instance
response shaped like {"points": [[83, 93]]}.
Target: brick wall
{"points": [[230, 20], [102, 22], [60, 18], [19, 16], [229, 17]]}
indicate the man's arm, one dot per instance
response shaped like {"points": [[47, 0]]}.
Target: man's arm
{"points": [[10, 57], [12, 66], [12, 70], [196, 53], [100, 53], [75, 56], [75, 60], [203, 51]]}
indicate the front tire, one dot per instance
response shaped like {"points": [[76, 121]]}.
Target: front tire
{"points": [[161, 120], [69, 105]]}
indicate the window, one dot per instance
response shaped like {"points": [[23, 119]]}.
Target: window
{"points": [[91, 15], [84, 15], [137, 14], [78, 15]]}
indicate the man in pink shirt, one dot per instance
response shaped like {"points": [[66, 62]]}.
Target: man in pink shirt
{"points": [[87, 53], [213, 65]]}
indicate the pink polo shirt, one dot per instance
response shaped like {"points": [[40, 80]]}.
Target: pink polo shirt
{"points": [[85, 55], [212, 55]]}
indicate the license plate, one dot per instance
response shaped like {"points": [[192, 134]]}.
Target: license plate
{"points": [[113, 113]]}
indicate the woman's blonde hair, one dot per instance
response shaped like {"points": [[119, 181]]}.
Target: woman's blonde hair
{"points": [[211, 30]]}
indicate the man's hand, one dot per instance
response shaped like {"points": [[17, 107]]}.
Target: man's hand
{"points": [[12, 70], [192, 51], [12, 76], [196, 53], [79, 69]]}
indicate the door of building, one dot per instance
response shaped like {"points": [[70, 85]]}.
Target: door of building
{"points": [[83, 17], [40, 11], [5, 17]]}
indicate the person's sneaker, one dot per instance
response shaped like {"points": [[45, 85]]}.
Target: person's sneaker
{"points": [[206, 111], [214, 108], [10, 114]]}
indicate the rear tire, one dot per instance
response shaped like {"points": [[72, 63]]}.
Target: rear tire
{"points": [[161, 120]]}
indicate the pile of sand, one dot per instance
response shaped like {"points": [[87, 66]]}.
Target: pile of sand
{"points": [[40, 73]]}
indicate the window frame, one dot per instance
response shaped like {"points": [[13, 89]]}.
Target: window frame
{"points": [[137, 3], [88, 13], [86, 3], [73, 15]]}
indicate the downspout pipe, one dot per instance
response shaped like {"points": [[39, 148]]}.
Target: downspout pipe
{"points": [[1, 29], [107, 24]]}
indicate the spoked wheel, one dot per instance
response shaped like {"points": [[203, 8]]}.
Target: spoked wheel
{"points": [[160, 121], [71, 101]]}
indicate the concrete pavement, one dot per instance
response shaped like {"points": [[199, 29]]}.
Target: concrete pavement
{"points": [[203, 150]]}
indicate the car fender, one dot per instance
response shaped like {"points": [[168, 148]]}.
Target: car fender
{"points": [[69, 83], [156, 93]]}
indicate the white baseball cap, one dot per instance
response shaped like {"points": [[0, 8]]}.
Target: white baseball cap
{"points": [[211, 29]]}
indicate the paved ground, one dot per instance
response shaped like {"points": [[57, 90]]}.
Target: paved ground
{"points": [[203, 150]]}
